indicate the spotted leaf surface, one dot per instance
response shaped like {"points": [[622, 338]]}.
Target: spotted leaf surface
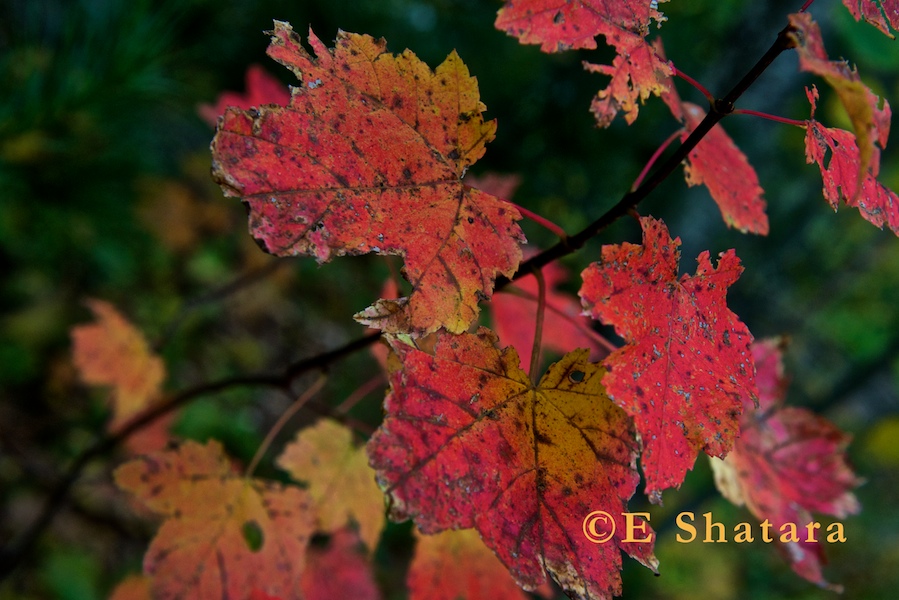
{"points": [[369, 157], [469, 441], [870, 116], [223, 536], [883, 14], [787, 464], [686, 363], [837, 155]]}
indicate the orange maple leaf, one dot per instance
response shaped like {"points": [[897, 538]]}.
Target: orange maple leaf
{"points": [[223, 535]]}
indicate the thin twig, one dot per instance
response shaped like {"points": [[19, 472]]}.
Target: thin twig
{"points": [[14, 553], [282, 421], [538, 326]]}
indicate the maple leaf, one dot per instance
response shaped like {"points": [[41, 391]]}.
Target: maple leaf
{"points": [[223, 535], [843, 175], [339, 570], [788, 463], [457, 564], [369, 157], [564, 327], [870, 122], [637, 72], [112, 352], [261, 89], [883, 14], [686, 363], [717, 162], [557, 25], [340, 482], [469, 441]]}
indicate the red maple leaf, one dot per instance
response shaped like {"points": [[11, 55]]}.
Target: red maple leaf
{"points": [[261, 89], [843, 176], [557, 25], [718, 163], [469, 441], [883, 14], [369, 157], [686, 364], [870, 122], [788, 463]]}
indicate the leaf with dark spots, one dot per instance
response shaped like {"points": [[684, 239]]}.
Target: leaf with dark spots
{"points": [[223, 536], [383, 175], [672, 327], [788, 463], [534, 443]]}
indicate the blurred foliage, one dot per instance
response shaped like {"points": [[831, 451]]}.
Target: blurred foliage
{"points": [[105, 192]]}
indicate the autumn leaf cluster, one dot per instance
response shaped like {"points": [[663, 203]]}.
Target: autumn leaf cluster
{"points": [[369, 155]]}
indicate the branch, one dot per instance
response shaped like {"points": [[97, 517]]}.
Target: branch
{"points": [[14, 553], [719, 109]]}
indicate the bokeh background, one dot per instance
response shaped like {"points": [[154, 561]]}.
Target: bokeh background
{"points": [[105, 193]]}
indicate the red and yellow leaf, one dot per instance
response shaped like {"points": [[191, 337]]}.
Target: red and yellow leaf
{"points": [[261, 89], [883, 14], [223, 535], [457, 564], [113, 352], [870, 122], [837, 156], [788, 463], [369, 157], [469, 441], [340, 483], [686, 364], [340, 570]]}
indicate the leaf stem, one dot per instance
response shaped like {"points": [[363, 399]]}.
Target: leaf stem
{"points": [[755, 113], [708, 95], [282, 421], [719, 109], [655, 156], [538, 326], [542, 221]]}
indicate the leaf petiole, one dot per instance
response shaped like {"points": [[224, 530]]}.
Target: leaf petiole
{"points": [[755, 113]]}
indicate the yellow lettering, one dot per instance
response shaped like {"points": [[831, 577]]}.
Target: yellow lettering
{"points": [[709, 524], [837, 535], [788, 533], [684, 522], [766, 532], [810, 531], [745, 535], [632, 525]]}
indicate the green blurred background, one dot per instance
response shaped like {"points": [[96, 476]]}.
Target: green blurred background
{"points": [[105, 193]]}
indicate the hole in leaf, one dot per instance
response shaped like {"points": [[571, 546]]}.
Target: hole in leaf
{"points": [[577, 376], [253, 536]]}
